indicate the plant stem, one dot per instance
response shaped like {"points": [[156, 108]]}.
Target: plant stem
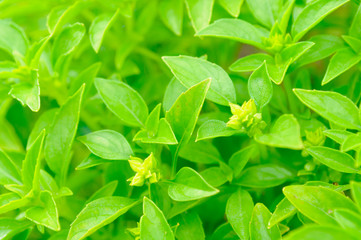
{"points": [[174, 163]]}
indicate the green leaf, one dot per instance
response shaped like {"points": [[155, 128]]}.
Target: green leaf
{"points": [[10, 227], [284, 209], [251, 62], [47, 182], [355, 29], [239, 159], [12, 38], [233, 7], [213, 129], [224, 232], [337, 135], [285, 133], [30, 172], [349, 221], [215, 176], [107, 144], [332, 106], [262, 11], [28, 93], [68, 39], [171, 13], [92, 161], [98, 28], [97, 214], [235, 29], [352, 142], [324, 46], [153, 224], [353, 42], [313, 232], [200, 152], [263, 176], [61, 15], [185, 111], [123, 101], [334, 159], [259, 222], [46, 214], [189, 227], [189, 185], [58, 142], [312, 14], [105, 191], [190, 71], [87, 76], [239, 212], [172, 92], [356, 193], [9, 173], [318, 203], [43, 122], [343, 60], [260, 86], [200, 13]]}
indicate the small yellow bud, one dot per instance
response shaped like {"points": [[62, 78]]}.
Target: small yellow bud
{"points": [[144, 170]]}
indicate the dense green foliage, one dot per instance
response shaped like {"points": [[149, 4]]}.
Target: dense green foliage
{"points": [[180, 119]]}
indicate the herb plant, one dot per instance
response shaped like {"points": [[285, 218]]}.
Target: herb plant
{"points": [[180, 119]]}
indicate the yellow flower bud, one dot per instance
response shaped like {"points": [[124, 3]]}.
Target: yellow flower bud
{"points": [[145, 170]]}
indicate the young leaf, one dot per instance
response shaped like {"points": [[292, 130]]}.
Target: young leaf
{"points": [[239, 212], [67, 41], [334, 159], [190, 71], [123, 101], [213, 129], [215, 176], [91, 161], [153, 224], [200, 12], [172, 92], [185, 111], [260, 86], [58, 142], [201, 152], [318, 203], [171, 13], [98, 28], [189, 185], [97, 214], [332, 106], [259, 222], [311, 232], [30, 172], [107, 144], [46, 214], [343, 60], [87, 76], [338, 135], [311, 15], [12, 38], [9, 173], [352, 142], [245, 33], [285, 133], [264, 176], [233, 7], [262, 11]]}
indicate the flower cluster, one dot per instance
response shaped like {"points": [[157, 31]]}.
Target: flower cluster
{"points": [[145, 170], [246, 118]]}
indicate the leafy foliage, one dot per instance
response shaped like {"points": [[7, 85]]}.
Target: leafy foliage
{"points": [[180, 119]]}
